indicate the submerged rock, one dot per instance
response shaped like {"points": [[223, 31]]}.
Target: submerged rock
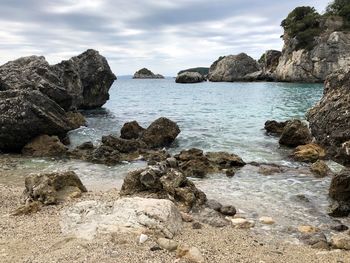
{"points": [[295, 133], [329, 118], [320, 169], [52, 188], [27, 114], [145, 73], [45, 146], [232, 68], [309, 153], [339, 191], [274, 127], [189, 77]]}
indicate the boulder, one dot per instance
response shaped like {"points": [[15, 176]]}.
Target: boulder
{"points": [[320, 169], [131, 130], [329, 118], [309, 153], [161, 133], [88, 218], [52, 188], [295, 133], [341, 241], [45, 146], [27, 114], [145, 73], [274, 127], [189, 77], [224, 160], [339, 191], [211, 217], [232, 68]]}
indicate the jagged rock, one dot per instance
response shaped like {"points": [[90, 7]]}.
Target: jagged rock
{"points": [[122, 145], [329, 118], [45, 146], [131, 130], [76, 119], [271, 60], [309, 153], [320, 169], [27, 114], [81, 82], [145, 73], [88, 218], [275, 127], [189, 77], [224, 160], [295, 133], [232, 68], [52, 188], [339, 191], [330, 53], [161, 133]]}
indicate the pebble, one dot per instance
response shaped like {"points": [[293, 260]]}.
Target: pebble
{"points": [[143, 238], [186, 217], [242, 223], [266, 220], [339, 228], [228, 210], [191, 254], [341, 241], [307, 229], [167, 244]]}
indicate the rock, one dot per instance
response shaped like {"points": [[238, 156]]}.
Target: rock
{"points": [[309, 153], [315, 240], [131, 130], [191, 254], [230, 173], [341, 241], [86, 219], [145, 73], [339, 227], [143, 238], [211, 217], [232, 68], [122, 145], [26, 115], [76, 119], [213, 204], [52, 188], [339, 190], [196, 225], [186, 217], [308, 229], [242, 223], [172, 162], [86, 146], [271, 60], [330, 53], [161, 133], [186, 155], [320, 169], [228, 210], [27, 209], [329, 117], [269, 169], [79, 83], [275, 127], [167, 244], [196, 168], [189, 77], [339, 208], [201, 70], [295, 133], [87, 78], [45, 146], [225, 160], [266, 220]]}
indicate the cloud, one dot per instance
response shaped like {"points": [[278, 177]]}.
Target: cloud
{"points": [[165, 36]]}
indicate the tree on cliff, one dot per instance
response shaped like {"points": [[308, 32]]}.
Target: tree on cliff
{"points": [[340, 8]]}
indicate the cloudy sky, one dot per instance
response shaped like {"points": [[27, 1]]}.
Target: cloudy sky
{"points": [[163, 35]]}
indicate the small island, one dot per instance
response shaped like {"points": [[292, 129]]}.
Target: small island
{"points": [[146, 74]]}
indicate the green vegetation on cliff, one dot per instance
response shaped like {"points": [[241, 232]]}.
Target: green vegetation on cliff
{"points": [[145, 71], [340, 8], [201, 70]]}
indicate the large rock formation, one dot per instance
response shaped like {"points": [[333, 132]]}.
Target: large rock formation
{"points": [[27, 114], [232, 68], [189, 77], [329, 118], [339, 191], [145, 73], [330, 52], [295, 133], [79, 83]]}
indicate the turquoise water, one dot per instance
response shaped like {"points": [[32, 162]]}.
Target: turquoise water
{"points": [[211, 116]]}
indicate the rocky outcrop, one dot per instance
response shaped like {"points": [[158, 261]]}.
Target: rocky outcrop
{"points": [[52, 188], [201, 70], [189, 77], [295, 133], [320, 169], [82, 82], [270, 61], [232, 68], [27, 114], [131, 130], [329, 118], [45, 146], [145, 73], [331, 52], [339, 191], [309, 153], [274, 127]]}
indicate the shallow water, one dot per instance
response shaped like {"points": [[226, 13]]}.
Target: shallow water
{"points": [[211, 116]]}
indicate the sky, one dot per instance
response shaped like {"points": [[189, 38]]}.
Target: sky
{"points": [[165, 36]]}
